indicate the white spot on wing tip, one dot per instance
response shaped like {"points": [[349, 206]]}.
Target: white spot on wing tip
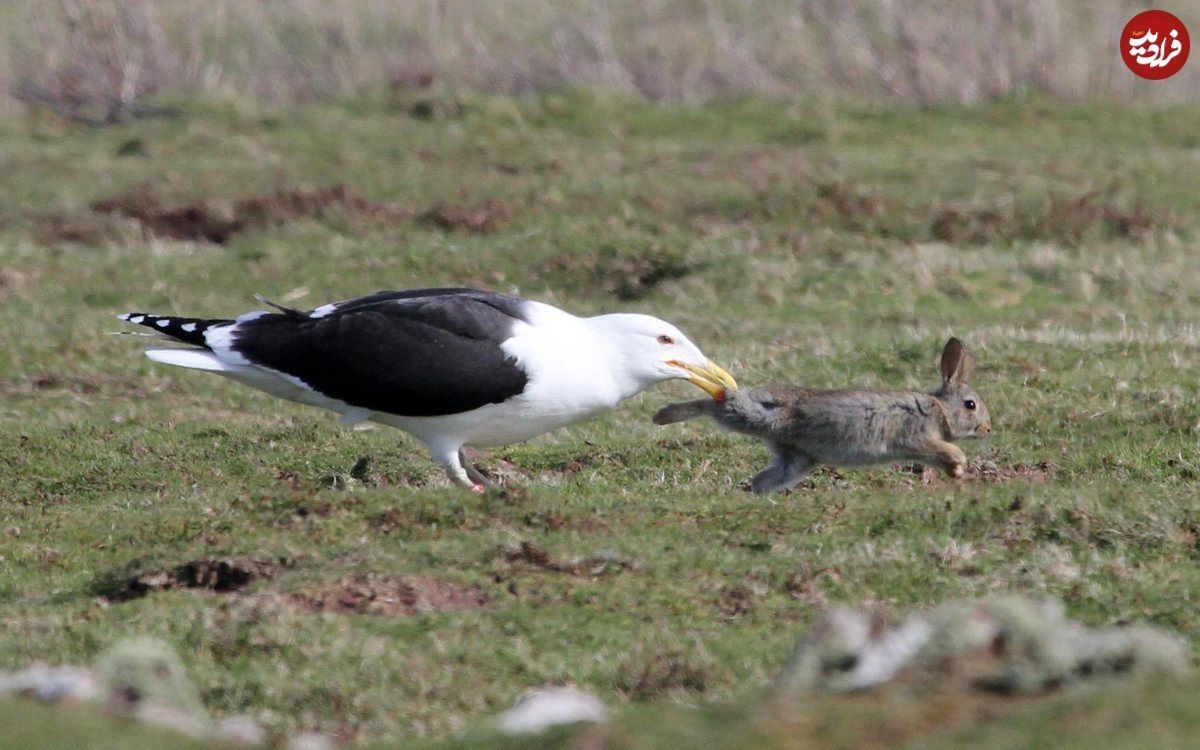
{"points": [[247, 317], [162, 322], [323, 310], [124, 316], [189, 327]]}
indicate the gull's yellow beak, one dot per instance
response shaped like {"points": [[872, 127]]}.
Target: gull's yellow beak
{"points": [[709, 378]]}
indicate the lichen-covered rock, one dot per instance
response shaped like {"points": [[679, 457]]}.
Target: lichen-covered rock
{"points": [[241, 730], [1010, 644], [311, 741], [144, 678], [542, 709], [51, 684], [850, 649]]}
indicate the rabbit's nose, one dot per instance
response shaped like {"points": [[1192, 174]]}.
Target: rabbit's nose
{"points": [[984, 428]]}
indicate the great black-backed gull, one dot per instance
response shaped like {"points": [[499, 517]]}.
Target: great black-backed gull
{"points": [[452, 367]]}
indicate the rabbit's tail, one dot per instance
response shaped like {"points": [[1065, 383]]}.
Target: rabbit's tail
{"points": [[680, 412]]}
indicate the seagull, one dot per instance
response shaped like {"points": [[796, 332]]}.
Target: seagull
{"points": [[452, 367]]}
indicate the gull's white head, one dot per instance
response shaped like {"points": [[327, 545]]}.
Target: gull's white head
{"points": [[650, 351]]}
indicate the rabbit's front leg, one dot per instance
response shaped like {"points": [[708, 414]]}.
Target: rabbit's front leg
{"points": [[946, 456], [786, 468]]}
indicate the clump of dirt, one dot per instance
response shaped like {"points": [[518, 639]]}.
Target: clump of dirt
{"points": [[390, 520], [980, 471], [390, 596], [289, 205], [360, 473], [851, 207], [990, 472], [626, 274], [574, 464], [202, 222], [808, 585], [1069, 219], [597, 565], [485, 218], [735, 600], [975, 225], [647, 673], [182, 221], [1072, 219], [55, 382], [218, 574], [86, 229]]}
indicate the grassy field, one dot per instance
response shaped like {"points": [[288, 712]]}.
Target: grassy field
{"points": [[830, 247]]}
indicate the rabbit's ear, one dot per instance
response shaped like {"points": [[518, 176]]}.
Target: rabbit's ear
{"points": [[954, 359], [966, 367]]}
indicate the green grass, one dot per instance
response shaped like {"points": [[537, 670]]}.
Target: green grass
{"points": [[830, 249]]}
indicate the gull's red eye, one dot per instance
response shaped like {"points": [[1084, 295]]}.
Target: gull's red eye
{"points": [[666, 340]]}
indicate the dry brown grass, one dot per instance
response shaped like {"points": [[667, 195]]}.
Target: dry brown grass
{"points": [[100, 60]]}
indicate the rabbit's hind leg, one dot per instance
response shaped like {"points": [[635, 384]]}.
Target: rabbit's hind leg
{"points": [[786, 468], [946, 456]]}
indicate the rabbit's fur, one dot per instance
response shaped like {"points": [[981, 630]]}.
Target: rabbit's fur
{"points": [[804, 427]]}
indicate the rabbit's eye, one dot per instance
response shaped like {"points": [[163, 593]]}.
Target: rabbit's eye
{"points": [[970, 404], [666, 340]]}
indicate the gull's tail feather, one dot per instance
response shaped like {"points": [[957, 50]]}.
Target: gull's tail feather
{"points": [[193, 359], [188, 330]]}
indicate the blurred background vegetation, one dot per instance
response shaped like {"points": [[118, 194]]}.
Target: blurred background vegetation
{"points": [[101, 59]]}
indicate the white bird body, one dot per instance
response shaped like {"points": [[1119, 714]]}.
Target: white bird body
{"points": [[567, 368]]}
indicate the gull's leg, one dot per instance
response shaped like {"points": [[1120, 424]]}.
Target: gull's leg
{"points": [[786, 468], [474, 474], [450, 459]]}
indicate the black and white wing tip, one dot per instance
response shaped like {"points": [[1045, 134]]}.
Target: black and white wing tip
{"points": [[188, 330]]}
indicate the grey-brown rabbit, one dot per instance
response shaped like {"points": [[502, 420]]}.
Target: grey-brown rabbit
{"points": [[805, 427]]}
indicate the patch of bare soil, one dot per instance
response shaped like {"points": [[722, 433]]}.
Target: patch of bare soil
{"points": [[626, 274], [1069, 219], [991, 472], [390, 596], [182, 221], [760, 168], [735, 600], [655, 672], [54, 382], [573, 465], [11, 278], [202, 222], [88, 229], [968, 225], [484, 218], [808, 584], [289, 205], [853, 207], [538, 557], [218, 574]]}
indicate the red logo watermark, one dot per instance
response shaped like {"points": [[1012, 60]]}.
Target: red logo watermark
{"points": [[1155, 44]]}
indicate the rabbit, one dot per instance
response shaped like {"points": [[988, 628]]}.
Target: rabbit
{"points": [[804, 427]]}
